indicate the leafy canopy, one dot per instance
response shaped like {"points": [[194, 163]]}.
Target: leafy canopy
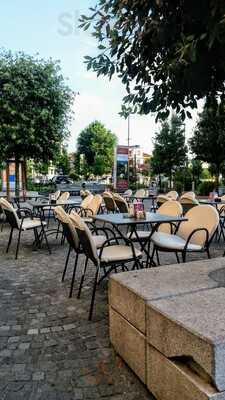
{"points": [[96, 144], [167, 53], [208, 141], [170, 151], [35, 107]]}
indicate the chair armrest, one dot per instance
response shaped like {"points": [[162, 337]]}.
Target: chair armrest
{"points": [[96, 229], [27, 211], [193, 232]]}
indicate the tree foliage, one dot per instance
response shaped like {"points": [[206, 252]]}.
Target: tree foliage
{"points": [[96, 144], [167, 53], [208, 141], [63, 161], [35, 107], [170, 151]]}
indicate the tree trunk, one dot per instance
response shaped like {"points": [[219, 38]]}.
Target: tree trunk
{"points": [[217, 182], [24, 177], [17, 176]]}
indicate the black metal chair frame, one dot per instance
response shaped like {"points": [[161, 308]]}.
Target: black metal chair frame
{"points": [[14, 225], [184, 251], [111, 265]]}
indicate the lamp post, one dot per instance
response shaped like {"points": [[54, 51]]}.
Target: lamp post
{"points": [[128, 145]]}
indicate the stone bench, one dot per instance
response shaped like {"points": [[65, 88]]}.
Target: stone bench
{"points": [[168, 324]]}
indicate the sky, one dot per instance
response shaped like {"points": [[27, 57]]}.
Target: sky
{"points": [[50, 28]]}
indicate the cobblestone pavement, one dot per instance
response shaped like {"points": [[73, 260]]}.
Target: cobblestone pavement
{"points": [[48, 349]]}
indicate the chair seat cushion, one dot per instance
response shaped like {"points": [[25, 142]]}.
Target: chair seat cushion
{"points": [[87, 220], [172, 242], [29, 223], [141, 235], [119, 253], [99, 240]]}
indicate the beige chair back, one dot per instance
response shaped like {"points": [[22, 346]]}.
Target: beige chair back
{"points": [[121, 203], [140, 193], [56, 194], [202, 216], [68, 227], [63, 197], [161, 198], [10, 213], [172, 208], [109, 201], [85, 237], [188, 195], [172, 195], [85, 203], [95, 204]]}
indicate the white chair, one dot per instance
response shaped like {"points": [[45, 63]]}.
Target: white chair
{"points": [[193, 235], [23, 224], [108, 258]]}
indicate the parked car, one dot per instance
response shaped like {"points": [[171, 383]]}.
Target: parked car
{"points": [[62, 179]]}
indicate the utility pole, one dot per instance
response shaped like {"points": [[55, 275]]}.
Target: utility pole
{"points": [[128, 145]]}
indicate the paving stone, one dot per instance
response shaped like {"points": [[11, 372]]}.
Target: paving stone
{"points": [[38, 376], [32, 332]]}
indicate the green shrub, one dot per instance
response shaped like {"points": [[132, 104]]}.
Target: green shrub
{"points": [[204, 188]]}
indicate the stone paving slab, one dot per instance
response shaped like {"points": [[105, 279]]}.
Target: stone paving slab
{"points": [[191, 325], [129, 291]]}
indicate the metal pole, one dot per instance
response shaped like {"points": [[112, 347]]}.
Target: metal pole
{"points": [[128, 145]]}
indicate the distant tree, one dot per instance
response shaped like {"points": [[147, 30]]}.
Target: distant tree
{"points": [[208, 141], [196, 170], [167, 53], [170, 151], [95, 149], [63, 161], [35, 108]]}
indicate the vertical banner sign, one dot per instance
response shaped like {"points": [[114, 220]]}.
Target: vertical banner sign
{"points": [[121, 168]]}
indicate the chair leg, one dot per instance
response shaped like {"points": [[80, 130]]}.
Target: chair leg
{"points": [[184, 256], [177, 257], [66, 264], [93, 294], [46, 240], [18, 244], [82, 278], [157, 257], [208, 253], [10, 240], [74, 273]]}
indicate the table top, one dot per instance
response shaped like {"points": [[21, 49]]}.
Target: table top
{"points": [[124, 219], [44, 203], [132, 197], [213, 202], [23, 197]]}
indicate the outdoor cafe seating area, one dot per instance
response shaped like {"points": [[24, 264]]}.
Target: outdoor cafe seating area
{"points": [[115, 232], [59, 253]]}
